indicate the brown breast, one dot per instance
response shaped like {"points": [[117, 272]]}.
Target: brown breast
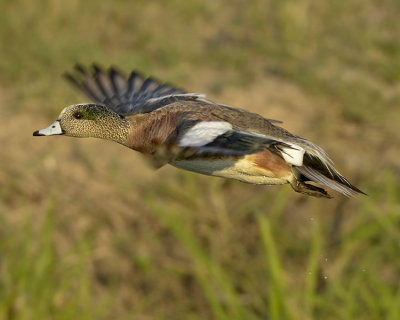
{"points": [[150, 130]]}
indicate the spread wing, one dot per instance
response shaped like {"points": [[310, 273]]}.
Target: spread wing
{"points": [[125, 95], [130, 95]]}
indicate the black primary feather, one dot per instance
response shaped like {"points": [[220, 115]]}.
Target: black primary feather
{"points": [[124, 95]]}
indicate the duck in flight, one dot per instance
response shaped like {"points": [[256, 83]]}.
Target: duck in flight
{"points": [[193, 133]]}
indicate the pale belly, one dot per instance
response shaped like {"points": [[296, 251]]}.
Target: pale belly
{"points": [[242, 170]]}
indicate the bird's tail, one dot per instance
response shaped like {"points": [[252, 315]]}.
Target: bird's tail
{"points": [[324, 173]]}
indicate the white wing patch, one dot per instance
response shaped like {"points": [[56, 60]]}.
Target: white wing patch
{"points": [[293, 155], [203, 133]]}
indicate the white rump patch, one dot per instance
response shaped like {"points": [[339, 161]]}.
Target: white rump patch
{"points": [[203, 133], [293, 155]]}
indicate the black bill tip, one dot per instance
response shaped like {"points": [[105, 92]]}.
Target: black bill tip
{"points": [[37, 133]]}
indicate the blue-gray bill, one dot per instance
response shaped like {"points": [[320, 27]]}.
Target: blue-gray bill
{"points": [[52, 129]]}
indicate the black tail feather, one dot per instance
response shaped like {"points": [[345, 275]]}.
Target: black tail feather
{"points": [[316, 170]]}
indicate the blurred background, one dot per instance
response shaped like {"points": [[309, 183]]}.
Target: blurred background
{"points": [[89, 231]]}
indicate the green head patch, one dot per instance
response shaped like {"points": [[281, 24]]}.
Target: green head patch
{"points": [[88, 113]]}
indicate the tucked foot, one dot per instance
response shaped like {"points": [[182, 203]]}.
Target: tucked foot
{"points": [[309, 189]]}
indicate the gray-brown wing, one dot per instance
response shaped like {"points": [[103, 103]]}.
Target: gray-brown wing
{"points": [[219, 137], [125, 95], [196, 137]]}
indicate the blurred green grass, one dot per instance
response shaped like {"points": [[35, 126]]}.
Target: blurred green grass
{"points": [[89, 232]]}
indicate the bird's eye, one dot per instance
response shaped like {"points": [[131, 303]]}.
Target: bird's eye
{"points": [[77, 115]]}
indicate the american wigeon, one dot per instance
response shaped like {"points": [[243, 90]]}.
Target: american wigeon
{"points": [[190, 132]]}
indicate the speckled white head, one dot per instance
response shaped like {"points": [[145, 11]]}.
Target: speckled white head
{"points": [[88, 120]]}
